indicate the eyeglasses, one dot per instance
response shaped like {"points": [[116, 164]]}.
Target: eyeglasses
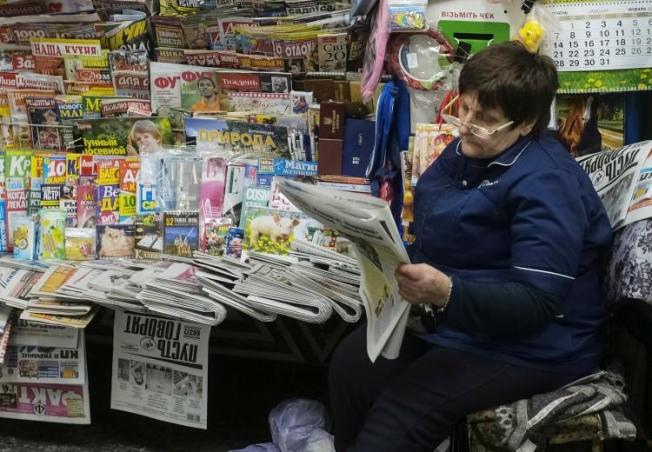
{"points": [[478, 131]]}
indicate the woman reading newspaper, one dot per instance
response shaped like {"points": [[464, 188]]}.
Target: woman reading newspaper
{"points": [[509, 233]]}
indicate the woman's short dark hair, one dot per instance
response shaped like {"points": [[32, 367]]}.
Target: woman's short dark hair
{"points": [[521, 83]]}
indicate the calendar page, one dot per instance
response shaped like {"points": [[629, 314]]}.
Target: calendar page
{"points": [[601, 45], [601, 35]]}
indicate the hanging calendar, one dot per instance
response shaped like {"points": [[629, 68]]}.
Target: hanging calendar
{"points": [[601, 45]]}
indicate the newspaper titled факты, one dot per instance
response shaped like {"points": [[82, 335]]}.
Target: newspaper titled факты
{"points": [[44, 376], [623, 180], [160, 368], [368, 223]]}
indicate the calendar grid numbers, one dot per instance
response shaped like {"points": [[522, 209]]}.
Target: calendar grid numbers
{"points": [[610, 42]]}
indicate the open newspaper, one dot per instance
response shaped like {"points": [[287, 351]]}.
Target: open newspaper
{"points": [[623, 180], [368, 223], [160, 368]]}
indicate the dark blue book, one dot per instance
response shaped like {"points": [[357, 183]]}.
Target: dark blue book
{"points": [[359, 138]]}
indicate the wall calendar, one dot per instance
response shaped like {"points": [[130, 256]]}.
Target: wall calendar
{"points": [[601, 35]]}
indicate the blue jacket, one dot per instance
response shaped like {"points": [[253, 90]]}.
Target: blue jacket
{"points": [[529, 215]]}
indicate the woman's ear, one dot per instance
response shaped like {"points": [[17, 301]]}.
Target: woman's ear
{"points": [[525, 128]]}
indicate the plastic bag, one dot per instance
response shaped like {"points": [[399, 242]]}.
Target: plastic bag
{"points": [[374, 57], [266, 447], [298, 425]]}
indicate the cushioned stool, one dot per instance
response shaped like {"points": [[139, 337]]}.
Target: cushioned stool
{"points": [[585, 410]]}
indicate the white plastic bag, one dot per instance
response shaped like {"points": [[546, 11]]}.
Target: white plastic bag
{"points": [[299, 425]]}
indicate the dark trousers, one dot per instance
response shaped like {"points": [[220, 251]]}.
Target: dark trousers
{"points": [[411, 404]]}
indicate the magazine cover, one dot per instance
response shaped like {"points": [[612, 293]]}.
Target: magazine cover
{"points": [[17, 178], [86, 202], [80, 244], [36, 180], [126, 108], [234, 242], [51, 234], [191, 88], [6, 132], [45, 122], [18, 113], [31, 80], [278, 103], [178, 182], [115, 241], [70, 109], [215, 235], [129, 169], [123, 136], [149, 236], [211, 193], [69, 189], [180, 233], [254, 197], [128, 60], [3, 204], [331, 49], [272, 231], [107, 190], [238, 136], [131, 84], [50, 196], [24, 234], [50, 170], [107, 210], [129, 35], [84, 68], [49, 53], [264, 82]]}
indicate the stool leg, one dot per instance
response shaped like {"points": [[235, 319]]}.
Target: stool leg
{"points": [[598, 445]]}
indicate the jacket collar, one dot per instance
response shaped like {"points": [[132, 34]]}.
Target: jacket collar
{"points": [[508, 157]]}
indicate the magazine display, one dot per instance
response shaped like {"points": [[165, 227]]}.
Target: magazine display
{"points": [[160, 368], [623, 178]]}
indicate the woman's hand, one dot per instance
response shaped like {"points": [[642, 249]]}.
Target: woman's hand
{"points": [[423, 283]]}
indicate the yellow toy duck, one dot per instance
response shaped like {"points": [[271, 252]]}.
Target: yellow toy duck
{"points": [[531, 35]]}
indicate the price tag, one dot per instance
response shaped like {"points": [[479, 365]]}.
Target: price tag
{"points": [[412, 60]]}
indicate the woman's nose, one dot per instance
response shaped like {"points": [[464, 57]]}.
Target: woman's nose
{"points": [[464, 129]]}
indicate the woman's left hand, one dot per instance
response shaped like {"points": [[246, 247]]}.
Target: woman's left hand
{"points": [[422, 283]]}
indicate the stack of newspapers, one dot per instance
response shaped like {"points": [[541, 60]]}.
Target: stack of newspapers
{"points": [[164, 287], [27, 287], [308, 284]]}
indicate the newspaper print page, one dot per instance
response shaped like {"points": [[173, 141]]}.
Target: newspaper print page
{"points": [[640, 206], [383, 304], [368, 223], [49, 384], [614, 175], [160, 368]]}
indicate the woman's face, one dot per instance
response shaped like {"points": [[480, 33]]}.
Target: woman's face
{"points": [[206, 88], [146, 141], [472, 113]]}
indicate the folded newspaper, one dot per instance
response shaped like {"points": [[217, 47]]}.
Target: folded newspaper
{"points": [[368, 223], [623, 180], [291, 285]]}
